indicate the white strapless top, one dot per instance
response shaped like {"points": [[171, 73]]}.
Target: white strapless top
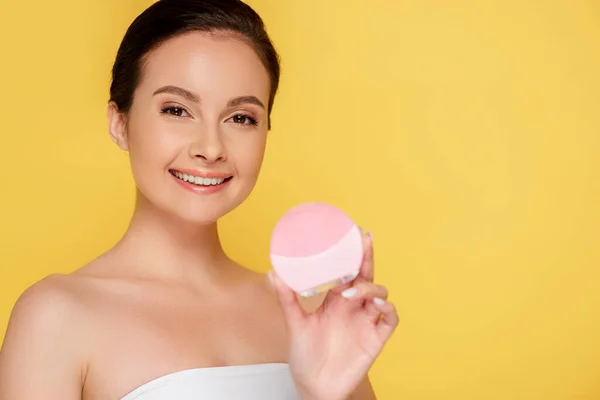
{"points": [[243, 382]]}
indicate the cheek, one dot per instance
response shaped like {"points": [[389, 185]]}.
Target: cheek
{"points": [[249, 157], [151, 150], [150, 146]]}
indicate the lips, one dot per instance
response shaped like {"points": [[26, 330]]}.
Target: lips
{"points": [[199, 180]]}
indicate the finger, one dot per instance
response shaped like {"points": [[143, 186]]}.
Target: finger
{"points": [[365, 291], [341, 287], [372, 311], [288, 300], [367, 266], [389, 318]]}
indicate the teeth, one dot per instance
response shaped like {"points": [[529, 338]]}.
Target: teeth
{"points": [[198, 180]]}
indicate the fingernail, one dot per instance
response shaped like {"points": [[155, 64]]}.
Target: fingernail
{"points": [[370, 235], [270, 275], [349, 292], [378, 301]]}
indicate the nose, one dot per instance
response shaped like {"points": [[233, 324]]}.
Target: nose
{"points": [[208, 146]]}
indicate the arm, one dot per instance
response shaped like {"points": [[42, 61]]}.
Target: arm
{"points": [[38, 357]]}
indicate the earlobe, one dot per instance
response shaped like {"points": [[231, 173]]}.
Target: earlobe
{"points": [[117, 126]]}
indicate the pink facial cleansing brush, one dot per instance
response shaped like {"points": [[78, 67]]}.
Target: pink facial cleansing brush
{"points": [[315, 247]]}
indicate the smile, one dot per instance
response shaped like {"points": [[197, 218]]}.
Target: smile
{"points": [[198, 180]]}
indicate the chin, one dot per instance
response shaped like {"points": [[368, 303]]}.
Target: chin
{"points": [[196, 220], [202, 214], [197, 208]]}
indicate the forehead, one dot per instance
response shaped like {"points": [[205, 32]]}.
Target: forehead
{"points": [[215, 65]]}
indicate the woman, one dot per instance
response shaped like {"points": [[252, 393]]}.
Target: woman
{"points": [[165, 314]]}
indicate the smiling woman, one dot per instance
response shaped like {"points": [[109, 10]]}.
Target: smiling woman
{"points": [[165, 313], [193, 111]]}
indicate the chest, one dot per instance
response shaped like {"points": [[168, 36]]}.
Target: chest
{"points": [[137, 341]]}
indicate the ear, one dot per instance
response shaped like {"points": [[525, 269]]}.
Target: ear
{"points": [[117, 125]]}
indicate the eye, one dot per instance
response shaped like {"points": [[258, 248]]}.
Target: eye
{"points": [[244, 119], [174, 111]]}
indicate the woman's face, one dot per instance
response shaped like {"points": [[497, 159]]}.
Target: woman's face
{"points": [[196, 132]]}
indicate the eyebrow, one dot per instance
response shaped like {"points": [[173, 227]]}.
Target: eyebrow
{"points": [[245, 99], [176, 90]]}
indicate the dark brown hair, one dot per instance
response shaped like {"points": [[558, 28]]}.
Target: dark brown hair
{"points": [[166, 19]]}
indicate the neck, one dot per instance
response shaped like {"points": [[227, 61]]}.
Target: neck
{"points": [[164, 245]]}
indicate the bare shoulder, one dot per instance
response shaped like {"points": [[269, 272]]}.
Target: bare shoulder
{"points": [[261, 292], [53, 296], [48, 304], [43, 343]]}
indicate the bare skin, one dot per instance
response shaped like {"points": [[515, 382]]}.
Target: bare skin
{"points": [[124, 331], [166, 297]]}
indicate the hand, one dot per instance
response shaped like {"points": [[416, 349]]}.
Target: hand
{"points": [[332, 349]]}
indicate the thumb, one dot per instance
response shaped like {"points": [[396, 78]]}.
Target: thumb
{"points": [[288, 300]]}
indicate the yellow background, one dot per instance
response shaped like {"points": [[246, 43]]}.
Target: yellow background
{"points": [[465, 134]]}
